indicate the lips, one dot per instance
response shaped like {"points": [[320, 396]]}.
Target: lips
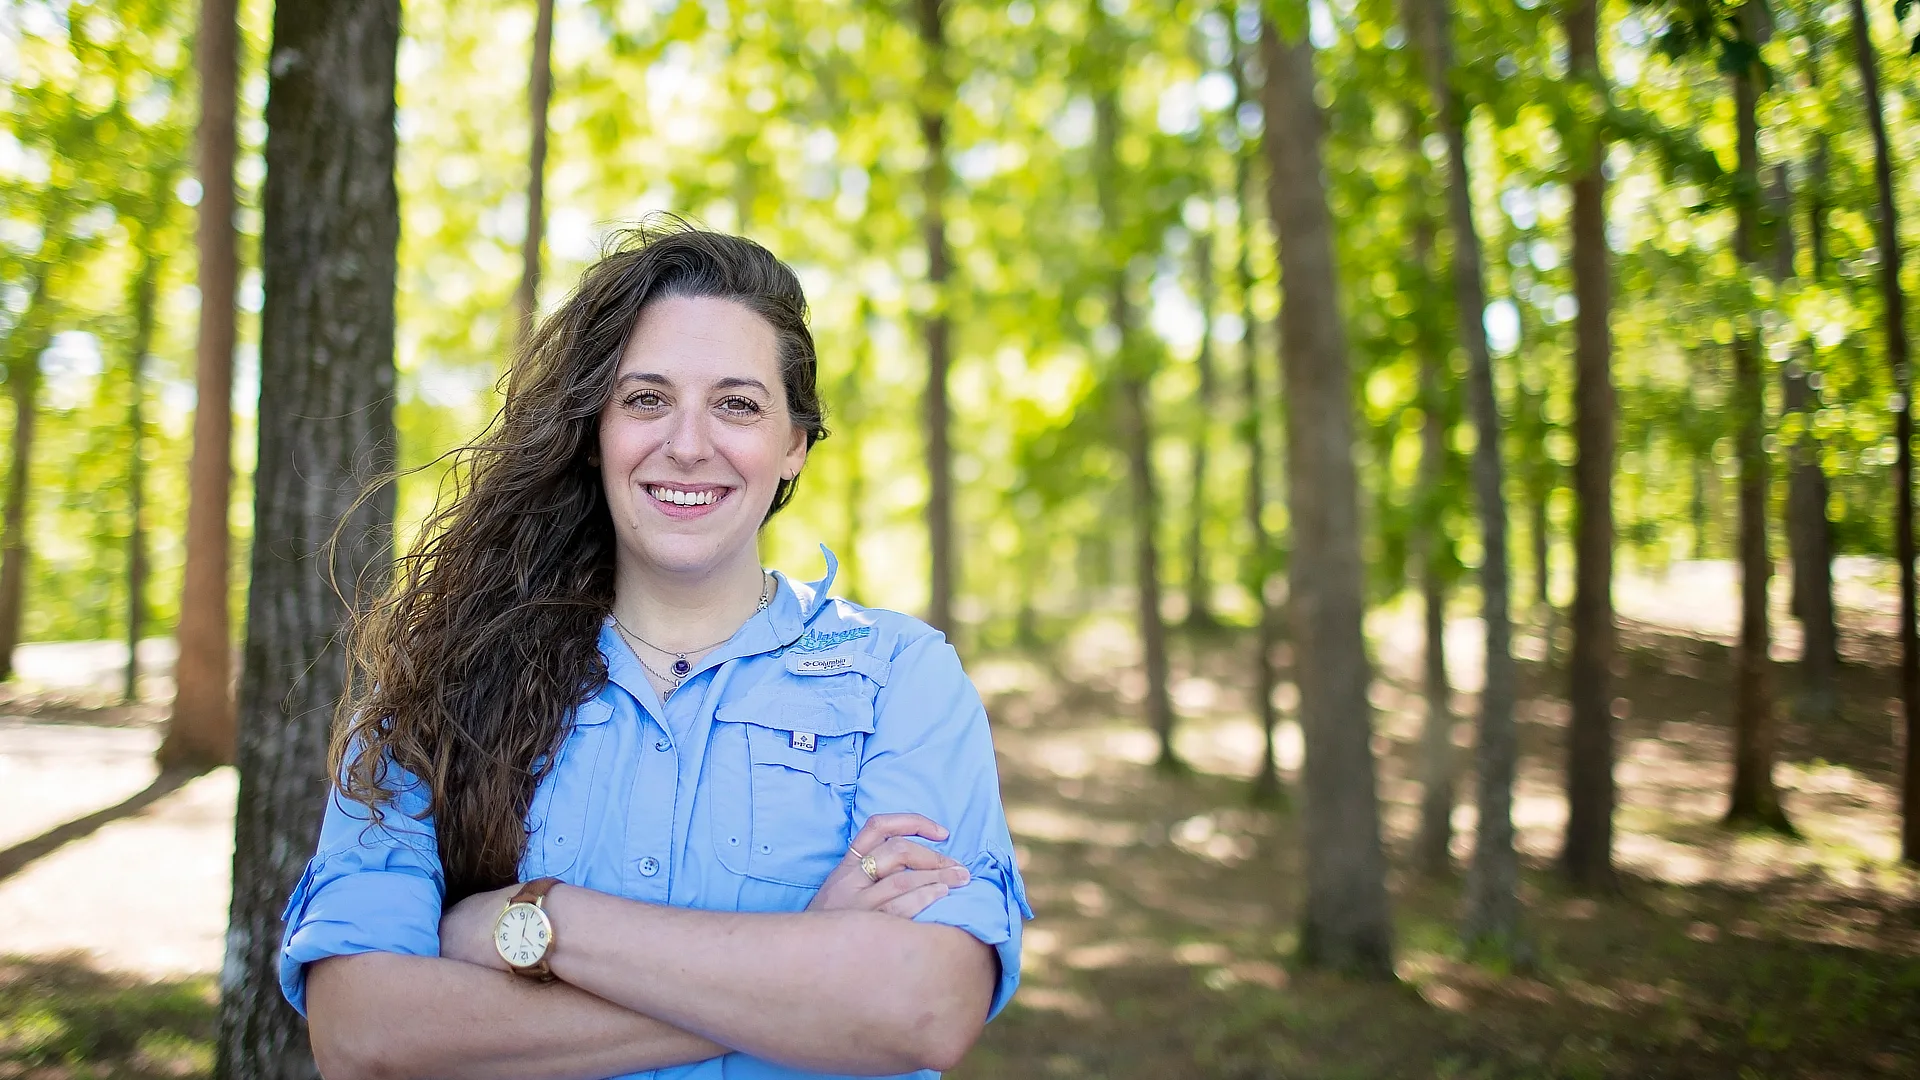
{"points": [[686, 501], [686, 496]]}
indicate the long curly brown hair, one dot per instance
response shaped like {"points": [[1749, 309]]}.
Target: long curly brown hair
{"points": [[466, 670]]}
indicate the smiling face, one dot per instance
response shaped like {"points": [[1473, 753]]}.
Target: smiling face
{"points": [[695, 438]]}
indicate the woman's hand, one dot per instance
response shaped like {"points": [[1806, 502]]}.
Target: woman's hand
{"points": [[907, 876], [466, 929]]}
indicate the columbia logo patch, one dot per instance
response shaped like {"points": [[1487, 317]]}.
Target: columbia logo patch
{"points": [[825, 663]]}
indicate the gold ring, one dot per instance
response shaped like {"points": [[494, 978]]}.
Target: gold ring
{"points": [[855, 852], [870, 867]]}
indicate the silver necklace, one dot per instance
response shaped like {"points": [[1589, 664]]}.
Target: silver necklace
{"points": [[682, 666]]}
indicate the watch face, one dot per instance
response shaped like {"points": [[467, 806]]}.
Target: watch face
{"points": [[522, 935]]}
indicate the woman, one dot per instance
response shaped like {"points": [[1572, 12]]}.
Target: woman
{"points": [[612, 799]]}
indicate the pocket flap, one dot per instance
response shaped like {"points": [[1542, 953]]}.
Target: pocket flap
{"points": [[803, 751], [824, 718]]}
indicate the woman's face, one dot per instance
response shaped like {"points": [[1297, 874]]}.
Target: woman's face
{"points": [[695, 437]]}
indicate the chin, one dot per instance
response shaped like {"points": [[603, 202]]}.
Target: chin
{"points": [[688, 556]]}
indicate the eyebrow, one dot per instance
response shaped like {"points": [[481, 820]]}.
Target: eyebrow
{"points": [[729, 383]]}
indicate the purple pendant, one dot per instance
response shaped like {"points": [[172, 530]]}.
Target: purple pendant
{"points": [[681, 667]]}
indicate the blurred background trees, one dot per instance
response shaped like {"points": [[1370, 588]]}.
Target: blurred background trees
{"points": [[1604, 284]]}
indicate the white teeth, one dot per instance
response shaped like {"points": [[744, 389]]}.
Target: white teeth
{"points": [[684, 498]]}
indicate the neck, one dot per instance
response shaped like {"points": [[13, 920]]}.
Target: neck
{"points": [[683, 612]]}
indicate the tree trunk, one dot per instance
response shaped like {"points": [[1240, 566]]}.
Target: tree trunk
{"points": [[851, 418], [1887, 237], [200, 732], [1345, 922], [1266, 782], [1809, 540], [1754, 801], [331, 224], [935, 179], [1809, 537], [23, 386], [1199, 600], [1432, 845], [1492, 904], [1136, 431], [1697, 505], [1587, 857], [24, 344], [526, 299], [1540, 493], [1133, 372], [143, 295]]}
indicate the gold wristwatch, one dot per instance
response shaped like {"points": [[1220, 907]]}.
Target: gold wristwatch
{"points": [[523, 934]]}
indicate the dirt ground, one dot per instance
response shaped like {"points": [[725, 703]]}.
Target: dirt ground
{"points": [[1166, 906]]}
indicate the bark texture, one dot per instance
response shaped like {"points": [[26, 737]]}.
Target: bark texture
{"points": [[200, 731], [326, 375], [1587, 856], [935, 180], [1491, 915], [1754, 800], [1887, 237], [1345, 923], [526, 299]]}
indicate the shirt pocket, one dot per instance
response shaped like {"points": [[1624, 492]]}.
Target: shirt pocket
{"points": [[557, 820], [799, 761]]}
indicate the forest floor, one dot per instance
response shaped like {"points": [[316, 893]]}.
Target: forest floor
{"points": [[1166, 905]]}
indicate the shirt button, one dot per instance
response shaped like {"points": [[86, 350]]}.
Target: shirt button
{"points": [[649, 866], [662, 745]]}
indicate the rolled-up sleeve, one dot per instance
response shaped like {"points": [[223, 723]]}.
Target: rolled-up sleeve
{"points": [[370, 887], [931, 753]]}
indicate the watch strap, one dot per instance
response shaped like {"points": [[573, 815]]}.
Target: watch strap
{"points": [[535, 892]]}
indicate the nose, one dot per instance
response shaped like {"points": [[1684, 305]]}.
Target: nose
{"points": [[690, 442]]}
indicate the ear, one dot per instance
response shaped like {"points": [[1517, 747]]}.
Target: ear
{"points": [[796, 458]]}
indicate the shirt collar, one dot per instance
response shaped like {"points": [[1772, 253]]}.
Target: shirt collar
{"points": [[795, 604], [792, 607]]}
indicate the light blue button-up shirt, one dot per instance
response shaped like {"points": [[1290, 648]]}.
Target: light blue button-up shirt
{"points": [[739, 793]]}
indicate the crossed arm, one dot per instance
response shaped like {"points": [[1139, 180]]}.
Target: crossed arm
{"points": [[851, 985]]}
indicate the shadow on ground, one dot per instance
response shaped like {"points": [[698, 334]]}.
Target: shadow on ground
{"points": [[19, 856], [1166, 907]]}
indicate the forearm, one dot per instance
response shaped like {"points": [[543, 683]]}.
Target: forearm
{"points": [[389, 1016], [833, 991]]}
